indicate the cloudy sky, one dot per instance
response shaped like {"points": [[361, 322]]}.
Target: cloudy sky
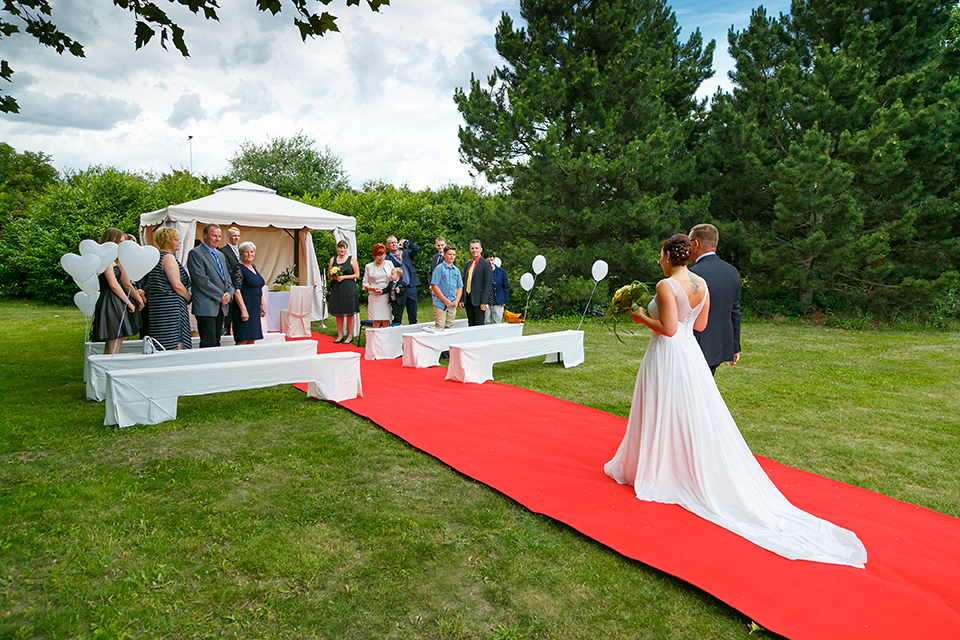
{"points": [[378, 94]]}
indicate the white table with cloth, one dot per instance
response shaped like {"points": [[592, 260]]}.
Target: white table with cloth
{"points": [[149, 396], [100, 365], [136, 346], [423, 349], [474, 362], [276, 300], [386, 343]]}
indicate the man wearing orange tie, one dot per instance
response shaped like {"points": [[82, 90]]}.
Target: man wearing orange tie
{"points": [[477, 281]]}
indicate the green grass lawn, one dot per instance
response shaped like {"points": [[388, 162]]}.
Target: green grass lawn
{"points": [[265, 514]]}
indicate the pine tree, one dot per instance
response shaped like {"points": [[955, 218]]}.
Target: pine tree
{"points": [[835, 157], [589, 124]]}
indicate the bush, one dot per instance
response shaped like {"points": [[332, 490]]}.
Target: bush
{"points": [[81, 206]]}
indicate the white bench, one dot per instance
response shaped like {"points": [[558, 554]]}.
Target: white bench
{"points": [[474, 362], [386, 343], [100, 365], [423, 349], [149, 396], [136, 346]]}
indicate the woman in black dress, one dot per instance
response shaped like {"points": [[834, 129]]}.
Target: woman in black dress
{"points": [[344, 301], [248, 297], [116, 315], [166, 287]]}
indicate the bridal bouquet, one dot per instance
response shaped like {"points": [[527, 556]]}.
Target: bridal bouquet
{"points": [[625, 300], [336, 271]]}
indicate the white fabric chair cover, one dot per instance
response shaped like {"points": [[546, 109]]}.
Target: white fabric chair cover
{"points": [[295, 321]]}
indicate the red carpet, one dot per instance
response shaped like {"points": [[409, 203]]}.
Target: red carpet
{"points": [[548, 455]]}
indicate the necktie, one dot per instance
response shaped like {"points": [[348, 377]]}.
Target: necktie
{"points": [[473, 265], [217, 260]]}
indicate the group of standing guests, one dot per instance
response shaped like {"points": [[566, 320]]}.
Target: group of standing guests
{"points": [[392, 284], [479, 287], [212, 279]]}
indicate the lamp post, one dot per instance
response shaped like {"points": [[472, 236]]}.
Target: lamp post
{"points": [[190, 142]]}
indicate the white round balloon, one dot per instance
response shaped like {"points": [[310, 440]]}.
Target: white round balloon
{"points": [[539, 264], [526, 281], [80, 267], [137, 261], [498, 262], [107, 252], [599, 270], [85, 303]]}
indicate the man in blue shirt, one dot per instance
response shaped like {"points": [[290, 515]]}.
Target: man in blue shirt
{"points": [[447, 287]]}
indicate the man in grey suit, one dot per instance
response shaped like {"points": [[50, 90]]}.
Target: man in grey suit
{"points": [[232, 253], [720, 340], [210, 285]]}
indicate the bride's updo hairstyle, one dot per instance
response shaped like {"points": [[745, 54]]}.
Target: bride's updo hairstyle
{"points": [[678, 249]]}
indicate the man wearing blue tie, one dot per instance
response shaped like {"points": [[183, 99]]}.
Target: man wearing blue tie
{"points": [[211, 286]]}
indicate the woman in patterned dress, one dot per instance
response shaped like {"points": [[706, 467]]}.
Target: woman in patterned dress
{"points": [[166, 287]]}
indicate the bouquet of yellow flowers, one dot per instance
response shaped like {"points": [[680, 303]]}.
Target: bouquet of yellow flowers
{"points": [[625, 300], [336, 271]]}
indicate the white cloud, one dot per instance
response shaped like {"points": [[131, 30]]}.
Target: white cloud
{"points": [[73, 110], [186, 109]]}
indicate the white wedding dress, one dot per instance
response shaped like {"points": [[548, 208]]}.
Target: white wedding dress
{"points": [[683, 447]]}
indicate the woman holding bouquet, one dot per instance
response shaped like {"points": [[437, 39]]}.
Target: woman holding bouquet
{"points": [[376, 275], [344, 301], [683, 447]]}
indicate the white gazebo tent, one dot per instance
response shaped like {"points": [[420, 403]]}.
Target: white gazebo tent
{"points": [[278, 226]]}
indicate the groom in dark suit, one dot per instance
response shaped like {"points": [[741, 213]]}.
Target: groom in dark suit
{"points": [[210, 285], [720, 340]]}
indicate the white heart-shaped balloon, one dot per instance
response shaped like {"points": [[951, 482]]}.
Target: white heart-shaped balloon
{"points": [[526, 281], [137, 261], [107, 252], [599, 270], [90, 286], [498, 262], [85, 303], [539, 264], [80, 267]]}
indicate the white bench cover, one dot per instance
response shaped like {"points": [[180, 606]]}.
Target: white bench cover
{"points": [[423, 349], [474, 362], [136, 346], [386, 343], [149, 396], [100, 365]]}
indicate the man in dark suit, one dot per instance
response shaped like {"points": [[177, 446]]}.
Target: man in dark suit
{"points": [[210, 285], [441, 244], [401, 254], [232, 253], [720, 341], [477, 282]]}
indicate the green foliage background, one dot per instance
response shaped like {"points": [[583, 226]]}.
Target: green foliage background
{"points": [[831, 169]]}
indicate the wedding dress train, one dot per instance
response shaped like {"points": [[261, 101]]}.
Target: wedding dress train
{"points": [[683, 447]]}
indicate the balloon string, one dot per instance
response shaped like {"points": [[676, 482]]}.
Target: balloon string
{"points": [[589, 300]]}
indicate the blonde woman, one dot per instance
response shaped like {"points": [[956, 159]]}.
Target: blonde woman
{"points": [[167, 290]]}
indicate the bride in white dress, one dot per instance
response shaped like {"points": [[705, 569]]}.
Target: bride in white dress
{"points": [[683, 447]]}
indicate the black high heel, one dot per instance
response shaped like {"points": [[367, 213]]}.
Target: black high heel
{"points": [[338, 341]]}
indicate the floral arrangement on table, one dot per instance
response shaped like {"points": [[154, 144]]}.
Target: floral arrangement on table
{"points": [[625, 301], [285, 280]]}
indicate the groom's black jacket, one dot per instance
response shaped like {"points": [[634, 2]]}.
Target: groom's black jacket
{"points": [[721, 338]]}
